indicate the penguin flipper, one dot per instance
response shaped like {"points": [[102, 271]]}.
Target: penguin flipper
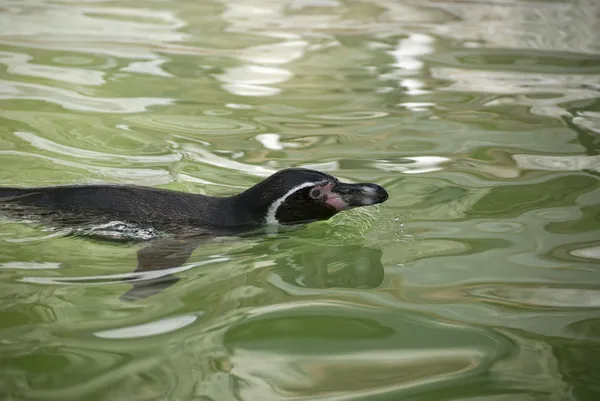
{"points": [[161, 254]]}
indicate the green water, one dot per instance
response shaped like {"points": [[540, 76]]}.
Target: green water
{"points": [[479, 279]]}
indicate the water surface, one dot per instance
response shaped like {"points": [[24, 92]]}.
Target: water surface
{"points": [[477, 280]]}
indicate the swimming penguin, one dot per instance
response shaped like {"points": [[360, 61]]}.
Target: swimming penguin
{"points": [[288, 197]]}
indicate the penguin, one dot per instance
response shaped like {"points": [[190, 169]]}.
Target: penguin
{"points": [[288, 197]]}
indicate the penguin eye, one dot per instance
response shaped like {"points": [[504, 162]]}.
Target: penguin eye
{"points": [[315, 193]]}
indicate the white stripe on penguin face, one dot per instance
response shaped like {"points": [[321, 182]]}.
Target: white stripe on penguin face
{"points": [[270, 218]]}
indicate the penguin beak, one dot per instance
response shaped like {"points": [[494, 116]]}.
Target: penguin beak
{"points": [[347, 196]]}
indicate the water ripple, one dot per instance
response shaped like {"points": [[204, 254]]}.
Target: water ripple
{"points": [[193, 126], [47, 145], [391, 366], [75, 101], [87, 29], [475, 280], [539, 296], [109, 279], [158, 327], [137, 175], [19, 64]]}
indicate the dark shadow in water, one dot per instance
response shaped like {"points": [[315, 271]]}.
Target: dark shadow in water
{"points": [[579, 358], [161, 254], [319, 266], [314, 266]]}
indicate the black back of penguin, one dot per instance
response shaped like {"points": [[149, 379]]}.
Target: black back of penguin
{"points": [[284, 196], [102, 203]]}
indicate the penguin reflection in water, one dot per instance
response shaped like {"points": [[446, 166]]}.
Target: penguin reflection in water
{"points": [[288, 197]]}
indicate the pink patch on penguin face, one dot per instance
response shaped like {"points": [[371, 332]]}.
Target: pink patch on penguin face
{"points": [[331, 198], [336, 202]]}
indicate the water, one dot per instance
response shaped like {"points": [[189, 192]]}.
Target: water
{"points": [[477, 280]]}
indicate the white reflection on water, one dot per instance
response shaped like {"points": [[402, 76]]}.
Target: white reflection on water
{"points": [[264, 68], [557, 163], [47, 145], [130, 175], [276, 53], [551, 25], [273, 142], [592, 252], [155, 328], [29, 265], [109, 279], [408, 63], [197, 153], [417, 164], [253, 80], [408, 50], [75, 101], [588, 120], [347, 376], [131, 32], [151, 67], [520, 87], [19, 64], [541, 296], [325, 166], [192, 127]]}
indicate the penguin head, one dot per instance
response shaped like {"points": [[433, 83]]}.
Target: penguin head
{"points": [[296, 196]]}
